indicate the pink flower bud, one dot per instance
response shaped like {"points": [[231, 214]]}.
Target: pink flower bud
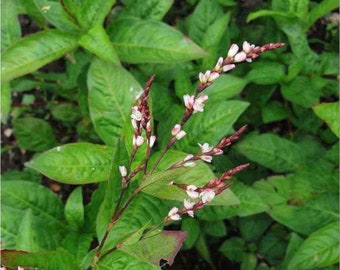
{"points": [[191, 192], [188, 101], [213, 76], [189, 164], [206, 158], [188, 204], [218, 64], [152, 140], [232, 51], [204, 77], [240, 57], [139, 140], [207, 195], [180, 134], [136, 114], [123, 171], [173, 214], [148, 126], [176, 129], [188, 157], [228, 67], [218, 151], [205, 148], [247, 47]]}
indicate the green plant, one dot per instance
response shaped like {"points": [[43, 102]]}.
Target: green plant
{"points": [[281, 212]]}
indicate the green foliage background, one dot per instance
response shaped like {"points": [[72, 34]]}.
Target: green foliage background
{"points": [[281, 212]]}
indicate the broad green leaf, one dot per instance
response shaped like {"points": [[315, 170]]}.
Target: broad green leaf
{"points": [[320, 249], [148, 248], [329, 112], [274, 111], [215, 228], [295, 242], [301, 91], [77, 244], [5, 102], [24, 175], [150, 9], [264, 73], [252, 227], [66, 112], [35, 51], [148, 41], [271, 151], [111, 93], [120, 260], [42, 224], [233, 248], [249, 261], [97, 41], [272, 13], [74, 209], [33, 134], [144, 209], [58, 259], [10, 27], [55, 13], [319, 212], [225, 87], [318, 11], [205, 14], [192, 227], [210, 126], [250, 204], [95, 12], [75, 163]]}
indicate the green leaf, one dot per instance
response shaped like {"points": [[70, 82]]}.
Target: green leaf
{"points": [[250, 204], [95, 12], [318, 212], [271, 13], [293, 245], [329, 112], [66, 112], [147, 41], [192, 228], [33, 134], [111, 93], [77, 244], [54, 13], [74, 209], [32, 213], [274, 111], [76, 163], [272, 151], [264, 73], [320, 249], [252, 227], [249, 261], [150, 9], [10, 27], [57, 259], [233, 248], [301, 91], [204, 15], [225, 87], [35, 51], [320, 10], [210, 126], [97, 41], [215, 228], [5, 102], [149, 250]]}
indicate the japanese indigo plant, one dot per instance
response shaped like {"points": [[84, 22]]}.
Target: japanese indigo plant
{"points": [[141, 119]]}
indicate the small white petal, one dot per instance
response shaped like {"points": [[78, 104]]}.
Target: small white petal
{"points": [[240, 57], [219, 63], [134, 123], [218, 151], [188, 204], [191, 192], [206, 158], [205, 148], [173, 214], [152, 140], [213, 76], [176, 129], [207, 196], [122, 170], [202, 77], [190, 213], [188, 101], [188, 157], [138, 141], [228, 67], [180, 134], [136, 114], [189, 164], [233, 50]]}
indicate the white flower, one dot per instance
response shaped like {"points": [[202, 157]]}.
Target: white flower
{"points": [[218, 151], [176, 129], [173, 214], [205, 148], [122, 170], [228, 67], [20, 268], [190, 164], [188, 101], [247, 47], [191, 192], [207, 195], [188, 157], [219, 64], [206, 158], [180, 134], [136, 114], [204, 77], [233, 50], [152, 140], [148, 126], [240, 57], [188, 205], [134, 124], [137, 141], [199, 105], [213, 76]]}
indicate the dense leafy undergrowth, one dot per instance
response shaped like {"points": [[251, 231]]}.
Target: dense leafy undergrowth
{"points": [[71, 70]]}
